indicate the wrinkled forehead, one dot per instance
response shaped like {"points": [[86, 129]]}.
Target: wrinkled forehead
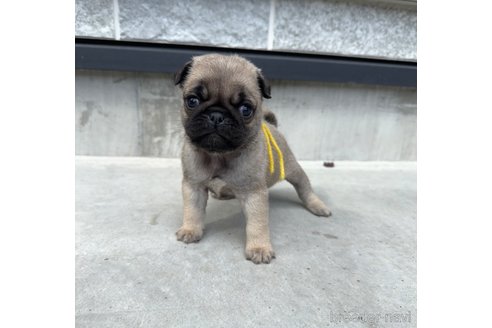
{"points": [[217, 64], [209, 79]]}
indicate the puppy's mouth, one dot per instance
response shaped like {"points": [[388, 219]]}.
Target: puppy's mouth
{"points": [[214, 138], [213, 142]]}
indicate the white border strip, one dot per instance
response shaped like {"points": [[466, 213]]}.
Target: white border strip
{"points": [[116, 17]]}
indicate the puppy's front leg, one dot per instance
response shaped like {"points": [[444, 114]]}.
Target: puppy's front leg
{"points": [[194, 202], [255, 208]]}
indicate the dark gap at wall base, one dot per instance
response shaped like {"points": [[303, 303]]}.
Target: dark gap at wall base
{"points": [[102, 54]]}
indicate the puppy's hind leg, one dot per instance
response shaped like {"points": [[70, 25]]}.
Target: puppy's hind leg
{"points": [[298, 178], [219, 189]]}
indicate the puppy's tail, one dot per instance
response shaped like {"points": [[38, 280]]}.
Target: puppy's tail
{"points": [[270, 117]]}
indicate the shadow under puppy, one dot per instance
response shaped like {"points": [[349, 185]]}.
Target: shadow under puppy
{"points": [[233, 149]]}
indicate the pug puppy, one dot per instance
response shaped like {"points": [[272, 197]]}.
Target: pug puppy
{"points": [[233, 149]]}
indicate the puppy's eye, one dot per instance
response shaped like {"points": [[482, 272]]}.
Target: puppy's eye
{"points": [[246, 110], [192, 102]]}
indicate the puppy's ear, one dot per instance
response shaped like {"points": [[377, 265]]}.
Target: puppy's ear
{"points": [[264, 85], [180, 76]]}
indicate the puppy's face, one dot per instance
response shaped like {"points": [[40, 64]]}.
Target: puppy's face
{"points": [[222, 98]]}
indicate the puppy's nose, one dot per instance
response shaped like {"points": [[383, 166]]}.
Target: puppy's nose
{"points": [[216, 118]]}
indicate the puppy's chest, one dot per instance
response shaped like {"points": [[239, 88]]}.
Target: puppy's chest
{"points": [[235, 171], [214, 167]]}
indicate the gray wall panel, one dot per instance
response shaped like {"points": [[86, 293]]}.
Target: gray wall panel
{"points": [[344, 27], [94, 18], [382, 29], [106, 114], [126, 114], [233, 23]]}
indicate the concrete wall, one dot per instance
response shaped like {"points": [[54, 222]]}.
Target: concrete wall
{"points": [[370, 28], [134, 114]]}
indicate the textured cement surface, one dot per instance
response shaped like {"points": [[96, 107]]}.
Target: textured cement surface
{"points": [[137, 114], [94, 18], [346, 27], [235, 23], [374, 28], [354, 269]]}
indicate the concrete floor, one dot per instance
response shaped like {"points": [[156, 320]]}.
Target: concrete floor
{"points": [[354, 269]]}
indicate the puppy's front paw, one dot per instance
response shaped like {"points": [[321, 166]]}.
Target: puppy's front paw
{"points": [[259, 255], [188, 235]]}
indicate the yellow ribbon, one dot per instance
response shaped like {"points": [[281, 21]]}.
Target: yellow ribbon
{"points": [[270, 140]]}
